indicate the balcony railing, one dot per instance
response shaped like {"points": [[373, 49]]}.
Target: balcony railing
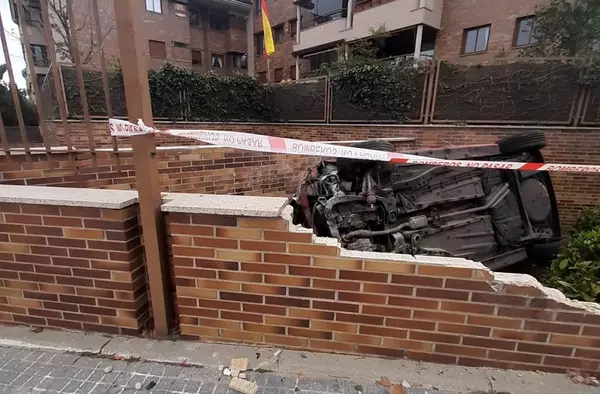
{"points": [[324, 18]]}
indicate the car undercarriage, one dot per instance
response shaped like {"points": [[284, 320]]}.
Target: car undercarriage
{"points": [[490, 215]]}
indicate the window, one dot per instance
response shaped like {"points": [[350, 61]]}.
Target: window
{"points": [[218, 22], [217, 61], [179, 44], [278, 74], [195, 18], [278, 34], [525, 31], [293, 73], [180, 10], [293, 23], [259, 40], [262, 76], [40, 78], [40, 55], [237, 60], [154, 6], [196, 58], [319, 59], [476, 39], [33, 16], [158, 49]]}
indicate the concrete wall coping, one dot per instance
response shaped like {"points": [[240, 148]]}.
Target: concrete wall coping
{"points": [[212, 204], [66, 196]]}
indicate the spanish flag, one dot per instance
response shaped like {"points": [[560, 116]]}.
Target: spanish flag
{"points": [[267, 32]]}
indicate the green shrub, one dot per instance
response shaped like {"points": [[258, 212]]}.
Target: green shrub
{"points": [[588, 219], [7, 108], [576, 270]]}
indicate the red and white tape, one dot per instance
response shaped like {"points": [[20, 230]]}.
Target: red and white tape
{"points": [[263, 143]]}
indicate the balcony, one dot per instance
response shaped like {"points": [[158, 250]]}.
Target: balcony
{"points": [[243, 6], [319, 31]]}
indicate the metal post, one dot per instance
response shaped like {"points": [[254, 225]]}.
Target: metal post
{"points": [[418, 41], [14, 91], [349, 14], [105, 85], [250, 42], [34, 83], [297, 68], [56, 75], [135, 79], [298, 19]]}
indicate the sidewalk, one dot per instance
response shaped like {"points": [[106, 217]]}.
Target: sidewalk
{"points": [[70, 362]]}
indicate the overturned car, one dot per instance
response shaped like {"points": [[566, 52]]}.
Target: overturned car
{"points": [[498, 217]]}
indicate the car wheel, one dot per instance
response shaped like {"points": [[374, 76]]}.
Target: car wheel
{"points": [[544, 253], [349, 169], [524, 142]]}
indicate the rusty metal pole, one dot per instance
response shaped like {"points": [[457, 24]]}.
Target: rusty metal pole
{"points": [[135, 77]]}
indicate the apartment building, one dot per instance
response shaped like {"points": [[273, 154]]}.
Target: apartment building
{"points": [[450, 30], [204, 35]]}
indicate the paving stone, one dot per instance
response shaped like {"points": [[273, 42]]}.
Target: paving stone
{"points": [[51, 372]]}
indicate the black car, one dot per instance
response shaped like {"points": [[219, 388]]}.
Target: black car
{"points": [[497, 217]]}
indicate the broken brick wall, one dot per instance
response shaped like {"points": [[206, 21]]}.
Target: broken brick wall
{"points": [[258, 280]]}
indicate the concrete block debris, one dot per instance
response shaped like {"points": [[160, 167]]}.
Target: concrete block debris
{"points": [[243, 386], [239, 364]]}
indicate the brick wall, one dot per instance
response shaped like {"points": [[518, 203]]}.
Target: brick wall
{"points": [[70, 267], [244, 279]]}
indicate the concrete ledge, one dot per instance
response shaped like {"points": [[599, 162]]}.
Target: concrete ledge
{"points": [[66, 196], [78, 342], [268, 207]]}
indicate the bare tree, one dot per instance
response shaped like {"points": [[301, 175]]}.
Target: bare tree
{"points": [[88, 43]]}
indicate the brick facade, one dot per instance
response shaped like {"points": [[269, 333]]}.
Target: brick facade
{"points": [[280, 14], [76, 268], [456, 16], [245, 279], [502, 15], [166, 27]]}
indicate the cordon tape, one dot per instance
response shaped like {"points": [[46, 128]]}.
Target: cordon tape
{"points": [[263, 143]]}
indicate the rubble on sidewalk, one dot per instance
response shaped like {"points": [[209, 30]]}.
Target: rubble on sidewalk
{"points": [[243, 386]]}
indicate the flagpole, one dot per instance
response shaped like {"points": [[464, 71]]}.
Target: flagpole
{"points": [[268, 70]]}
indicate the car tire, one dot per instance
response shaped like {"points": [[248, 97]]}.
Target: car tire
{"points": [[348, 169], [544, 253], [524, 142]]}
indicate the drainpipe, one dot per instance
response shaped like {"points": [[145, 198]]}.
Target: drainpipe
{"points": [[349, 14], [298, 16], [418, 41], [250, 42]]}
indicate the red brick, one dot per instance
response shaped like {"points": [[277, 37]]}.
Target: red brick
{"points": [[491, 298], [493, 322], [551, 327], [264, 309], [434, 337], [313, 249], [464, 329], [287, 301], [460, 350], [413, 302], [286, 259], [363, 276], [311, 293], [520, 335], [417, 280], [308, 333], [362, 319], [312, 272], [386, 289], [438, 270], [489, 343], [442, 293], [335, 306], [544, 349]]}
